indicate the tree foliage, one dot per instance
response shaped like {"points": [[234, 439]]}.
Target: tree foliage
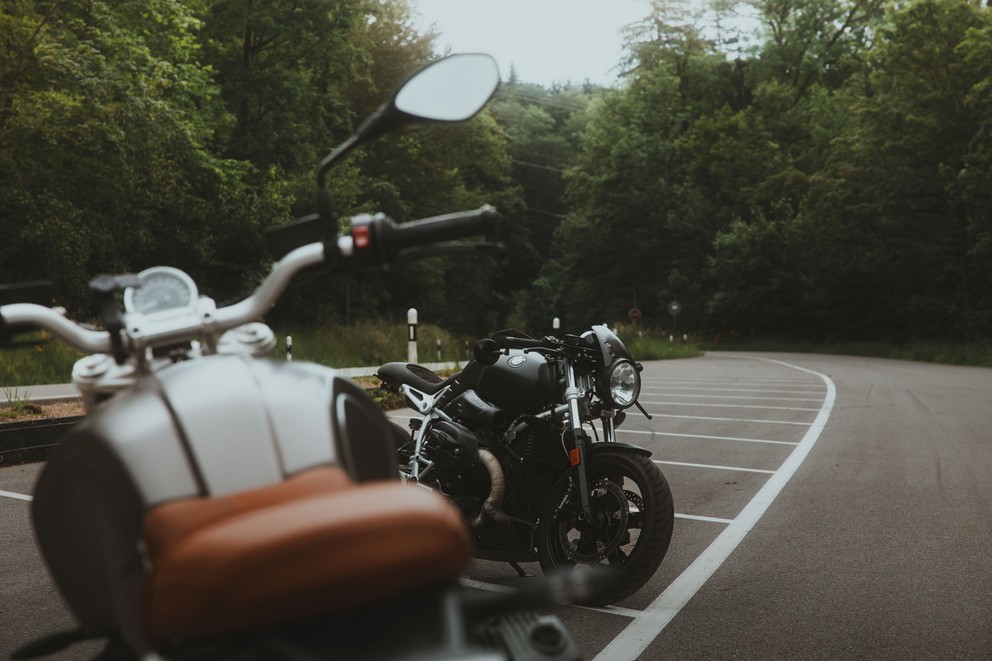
{"points": [[823, 172], [106, 122], [177, 131], [831, 182]]}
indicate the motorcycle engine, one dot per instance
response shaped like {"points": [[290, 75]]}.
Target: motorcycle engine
{"points": [[453, 448]]}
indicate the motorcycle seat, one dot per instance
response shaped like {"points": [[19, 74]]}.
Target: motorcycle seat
{"points": [[313, 545], [393, 375]]}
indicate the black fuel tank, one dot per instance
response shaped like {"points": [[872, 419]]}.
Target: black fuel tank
{"points": [[518, 383]]}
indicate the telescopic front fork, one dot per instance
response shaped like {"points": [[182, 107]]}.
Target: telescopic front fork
{"points": [[580, 442]]}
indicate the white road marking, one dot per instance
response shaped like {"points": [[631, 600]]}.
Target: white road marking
{"points": [[729, 382], [706, 437], [634, 639], [766, 399], [722, 468], [680, 388], [18, 496], [701, 417], [707, 519], [730, 406]]}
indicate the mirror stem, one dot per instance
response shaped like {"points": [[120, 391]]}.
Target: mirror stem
{"points": [[333, 158], [325, 207]]}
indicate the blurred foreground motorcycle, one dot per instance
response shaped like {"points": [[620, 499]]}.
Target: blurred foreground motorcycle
{"points": [[217, 505], [506, 440]]}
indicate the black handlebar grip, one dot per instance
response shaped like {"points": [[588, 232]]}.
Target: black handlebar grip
{"points": [[448, 227], [520, 343]]}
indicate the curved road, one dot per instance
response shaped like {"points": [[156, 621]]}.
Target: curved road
{"points": [[879, 546], [828, 507]]}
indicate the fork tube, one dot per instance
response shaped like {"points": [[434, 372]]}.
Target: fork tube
{"points": [[578, 436], [609, 428]]}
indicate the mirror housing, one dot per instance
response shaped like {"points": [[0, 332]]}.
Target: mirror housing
{"points": [[451, 89]]}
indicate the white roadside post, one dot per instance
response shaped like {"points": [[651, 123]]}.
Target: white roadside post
{"points": [[411, 346], [289, 348], [555, 324]]}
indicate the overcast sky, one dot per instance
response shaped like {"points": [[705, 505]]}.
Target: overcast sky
{"points": [[546, 41]]}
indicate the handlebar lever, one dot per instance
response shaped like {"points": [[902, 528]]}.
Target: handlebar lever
{"points": [[105, 289]]}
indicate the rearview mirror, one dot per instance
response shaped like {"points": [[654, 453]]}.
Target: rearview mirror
{"points": [[450, 90]]}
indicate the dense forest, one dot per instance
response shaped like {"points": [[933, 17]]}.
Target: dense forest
{"points": [[823, 175]]}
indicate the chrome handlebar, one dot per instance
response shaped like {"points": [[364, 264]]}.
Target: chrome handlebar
{"points": [[372, 241]]}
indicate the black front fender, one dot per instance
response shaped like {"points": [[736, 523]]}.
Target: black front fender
{"points": [[595, 448]]}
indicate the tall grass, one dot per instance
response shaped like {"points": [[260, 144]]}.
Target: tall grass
{"points": [[365, 344], [655, 343], [369, 344], [40, 363]]}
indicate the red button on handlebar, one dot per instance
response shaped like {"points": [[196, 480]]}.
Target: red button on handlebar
{"points": [[360, 235]]}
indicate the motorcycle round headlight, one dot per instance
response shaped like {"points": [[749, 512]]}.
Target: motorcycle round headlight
{"points": [[624, 384]]}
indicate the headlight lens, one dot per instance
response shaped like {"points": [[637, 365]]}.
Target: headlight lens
{"points": [[624, 384]]}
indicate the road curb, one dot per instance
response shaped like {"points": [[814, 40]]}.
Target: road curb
{"points": [[32, 440]]}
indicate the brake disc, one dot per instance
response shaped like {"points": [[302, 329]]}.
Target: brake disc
{"points": [[609, 500]]}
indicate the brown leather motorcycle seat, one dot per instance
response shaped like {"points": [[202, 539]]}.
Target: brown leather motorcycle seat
{"points": [[312, 545]]}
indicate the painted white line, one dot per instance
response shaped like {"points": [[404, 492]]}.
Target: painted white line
{"points": [[767, 399], [706, 437], [701, 417], [18, 496], [730, 406], [633, 640], [763, 391], [721, 468], [496, 587], [715, 380], [481, 585], [707, 519]]}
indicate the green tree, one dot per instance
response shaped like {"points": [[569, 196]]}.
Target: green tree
{"points": [[107, 119], [902, 177], [811, 42]]}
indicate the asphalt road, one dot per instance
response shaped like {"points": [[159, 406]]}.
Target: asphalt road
{"points": [[828, 507]]}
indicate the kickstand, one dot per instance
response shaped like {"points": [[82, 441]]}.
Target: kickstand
{"points": [[521, 572]]}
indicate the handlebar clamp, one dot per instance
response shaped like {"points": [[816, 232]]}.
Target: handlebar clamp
{"points": [[105, 289]]}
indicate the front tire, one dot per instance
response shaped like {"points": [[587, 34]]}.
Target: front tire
{"points": [[633, 503]]}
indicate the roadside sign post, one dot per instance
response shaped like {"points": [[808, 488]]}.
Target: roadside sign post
{"points": [[674, 309], [411, 346]]}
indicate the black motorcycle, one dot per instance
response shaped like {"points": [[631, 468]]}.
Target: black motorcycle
{"points": [[508, 440]]}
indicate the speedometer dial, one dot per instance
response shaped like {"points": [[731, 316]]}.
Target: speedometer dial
{"points": [[163, 289]]}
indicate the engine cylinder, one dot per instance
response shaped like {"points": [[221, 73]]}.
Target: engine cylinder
{"points": [[452, 447]]}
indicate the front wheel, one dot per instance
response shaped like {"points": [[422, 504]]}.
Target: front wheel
{"points": [[633, 517]]}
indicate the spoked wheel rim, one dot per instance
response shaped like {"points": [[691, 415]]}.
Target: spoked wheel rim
{"points": [[602, 540], [616, 499], [631, 526]]}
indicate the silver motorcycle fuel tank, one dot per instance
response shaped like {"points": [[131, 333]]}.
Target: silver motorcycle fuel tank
{"points": [[209, 427]]}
